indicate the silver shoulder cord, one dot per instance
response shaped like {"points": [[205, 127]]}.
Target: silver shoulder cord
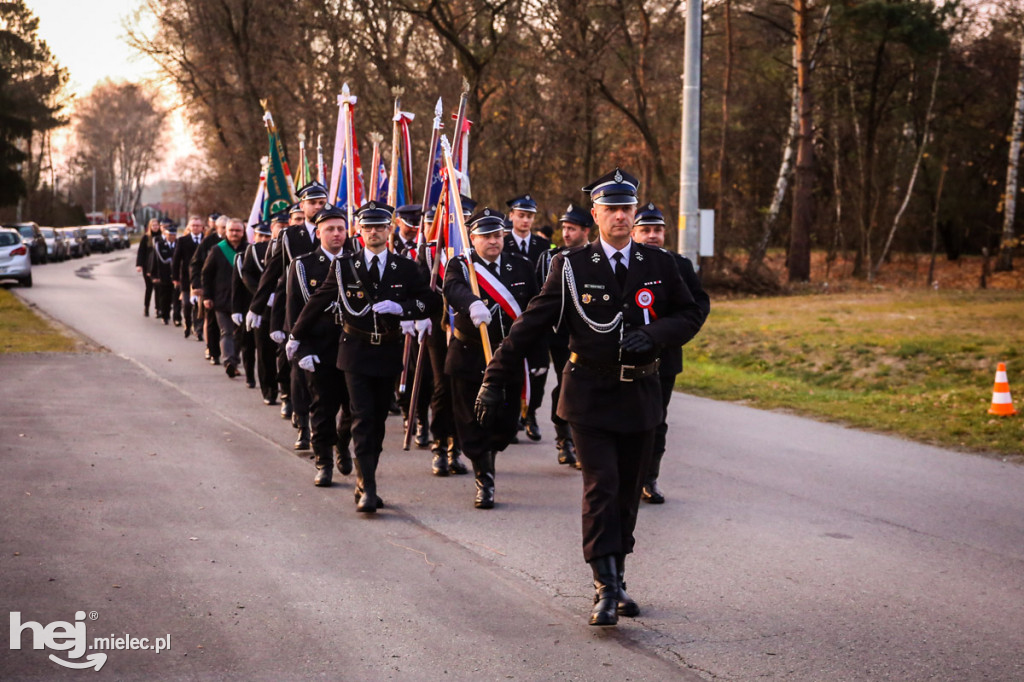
{"points": [[238, 263], [570, 282], [344, 299], [300, 269]]}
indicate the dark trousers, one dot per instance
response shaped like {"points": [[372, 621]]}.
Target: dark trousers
{"points": [[163, 293], [227, 326], [538, 363], [370, 398], [474, 440], [212, 331], [613, 465], [189, 312], [176, 303], [266, 363], [299, 390], [668, 383], [245, 345], [559, 356], [442, 423], [149, 289], [330, 417], [284, 369]]}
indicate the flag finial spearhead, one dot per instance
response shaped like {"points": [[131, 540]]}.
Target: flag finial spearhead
{"points": [[438, 113]]}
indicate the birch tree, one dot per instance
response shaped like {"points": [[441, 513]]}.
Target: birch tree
{"points": [[1008, 241]]}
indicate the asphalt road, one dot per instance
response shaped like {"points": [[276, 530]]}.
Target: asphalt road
{"points": [[142, 486]]}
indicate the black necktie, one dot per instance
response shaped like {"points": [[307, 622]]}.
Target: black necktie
{"points": [[374, 274], [620, 270], [493, 267], [524, 247]]}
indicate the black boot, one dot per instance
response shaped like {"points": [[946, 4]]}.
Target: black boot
{"points": [[422, 436], [439, 465], [483, 469], [626, 606], [302, 442], [563, 443], [324, 467], [606, 595], [286, 407], [367, 501], [651, 493], [344, 459], [455, 465], [530, 425]]}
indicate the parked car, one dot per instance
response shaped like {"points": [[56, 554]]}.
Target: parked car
{"points": [[33, 240], [118, 235], [56, 249], [15, 261], [98, 238], [73, 241]]}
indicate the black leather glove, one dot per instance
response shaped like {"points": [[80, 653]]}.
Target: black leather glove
{"points": [[488, 400], [637, 341]]}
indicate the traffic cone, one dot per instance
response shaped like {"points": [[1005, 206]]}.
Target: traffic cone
{"points": [[1002, 403]]}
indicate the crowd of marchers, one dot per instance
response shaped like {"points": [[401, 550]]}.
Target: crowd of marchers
{"points": [[345, 325]]}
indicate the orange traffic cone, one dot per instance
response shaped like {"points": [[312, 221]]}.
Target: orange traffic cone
{"points": [[1002, 403]]}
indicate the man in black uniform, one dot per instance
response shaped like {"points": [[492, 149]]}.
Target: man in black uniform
{"points": [[161, 258], [522, 240], [649, 228], [251, 268], [243, 284], [576, 223], [506, 284], [296, 240], [374, 290], [183, 252], [408, 220], [622, 303], [330, 415], [217, 274], [144, 256]]}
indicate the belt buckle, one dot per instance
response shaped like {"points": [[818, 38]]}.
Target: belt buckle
{"points": [[375, 338], [622, 372]]}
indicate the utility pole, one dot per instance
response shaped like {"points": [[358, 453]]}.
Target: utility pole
{"points": [[94, 189], [689, 175]]}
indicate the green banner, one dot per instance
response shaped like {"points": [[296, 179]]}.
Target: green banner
{"points": [[279, 196]]}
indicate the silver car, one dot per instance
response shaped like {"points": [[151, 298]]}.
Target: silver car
{"points": [[56, 248], [15, 262]]}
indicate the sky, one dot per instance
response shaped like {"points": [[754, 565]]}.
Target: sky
{"points": [[88, 38]]}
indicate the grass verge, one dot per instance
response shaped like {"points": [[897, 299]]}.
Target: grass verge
{"points": [[919, 364], [23, 331]]}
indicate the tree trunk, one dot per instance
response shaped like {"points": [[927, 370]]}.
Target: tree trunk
{"points": [[723, 184], [1005, 260], [799, 259]]}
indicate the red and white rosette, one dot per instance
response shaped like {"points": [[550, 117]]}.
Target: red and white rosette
{"points": [[645, 300]]}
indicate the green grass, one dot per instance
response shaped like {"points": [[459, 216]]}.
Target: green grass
{"points": [[916, 364], [22, 331]]}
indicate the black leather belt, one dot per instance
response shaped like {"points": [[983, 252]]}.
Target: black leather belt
{"points": [[612, 371], [374, 338]]}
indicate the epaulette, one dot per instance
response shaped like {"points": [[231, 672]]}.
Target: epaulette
{"points": [[520, 256], [574, 250]]}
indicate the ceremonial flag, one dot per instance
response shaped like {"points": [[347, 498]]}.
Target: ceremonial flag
{"points": [[345, 144], [256, 212], [280, 189]]}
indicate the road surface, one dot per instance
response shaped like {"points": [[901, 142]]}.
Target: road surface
{"points": [[143, 487]]}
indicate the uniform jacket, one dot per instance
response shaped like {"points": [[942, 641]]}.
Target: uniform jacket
{"points": [[466, 354], [195, 268], [305, 275], [293, 241], [241, 294], [672, 357], [181, 264], [217, 274], [538, 246], [582, 294], [161, 257], [353, 296]]}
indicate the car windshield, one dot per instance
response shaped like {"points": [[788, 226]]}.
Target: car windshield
{"points": [[26, 230], [8, 239], [47, 231], [94, 232]]}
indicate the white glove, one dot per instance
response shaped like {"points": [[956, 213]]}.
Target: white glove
{"points": [[194, 299], [408, 326], [290, 348], [308, 362], [479, 313], [278, 336], [423, 327], [387, 308], [237, 319], [252, 321], [270, 301]]}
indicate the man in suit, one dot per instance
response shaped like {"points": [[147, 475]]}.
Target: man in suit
{"points": [[211, 329], [183, 252], [506, 285], [522, 240], [575, 223], [374, 291], [622, 304], [649, 228], [217, 273]]}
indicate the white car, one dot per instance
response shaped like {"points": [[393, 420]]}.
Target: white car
{"points": [[15, 263]]}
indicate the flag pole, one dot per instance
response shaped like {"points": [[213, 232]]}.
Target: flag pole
{"points": [[301, 173], [376, 139], [320, 170], [393, 180], [456, 210], [428, 177], [460, 120]]}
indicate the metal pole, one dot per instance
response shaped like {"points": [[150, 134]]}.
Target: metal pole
{"points": [[93, 190], [689, 175]]}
